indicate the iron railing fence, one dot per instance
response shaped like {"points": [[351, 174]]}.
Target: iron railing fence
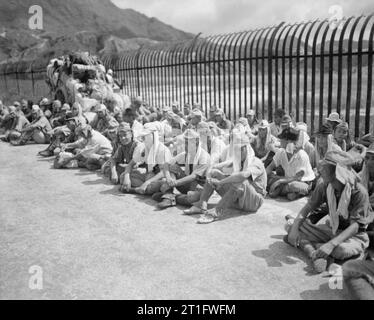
{"points": [[309, 69]]}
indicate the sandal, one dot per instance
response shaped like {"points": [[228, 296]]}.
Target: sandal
{"points": [[207, 218]]}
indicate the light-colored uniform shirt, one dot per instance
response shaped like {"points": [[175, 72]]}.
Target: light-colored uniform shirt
{"points": [[298, 162]]}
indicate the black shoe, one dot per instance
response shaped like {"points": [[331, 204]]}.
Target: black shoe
{"points": [[46, 153], [167, 203]]}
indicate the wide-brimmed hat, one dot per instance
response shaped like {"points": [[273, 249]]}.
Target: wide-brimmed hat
{"points": [[251, 113], [219, 112], [35, 108], [334, 117], [342, 125], [289, 134]]}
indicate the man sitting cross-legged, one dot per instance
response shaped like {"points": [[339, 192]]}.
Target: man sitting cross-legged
{"points": [[123, 156], [195, 161], [240, 180], [294, 173], [344, 235]]}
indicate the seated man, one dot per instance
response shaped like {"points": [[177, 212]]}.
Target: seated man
{"points": [[60, 117], [265, 145], [275, 127], [305, 144], [123, 155], [17, 122], [333, 120], [104, 120], [359, 278], [96, 149], [155, 156], [222, 122], [40, 130], [240, 180], [344, 235], [294, 175], [63, 135], [195, 161], [210, 142], [252, 121]]}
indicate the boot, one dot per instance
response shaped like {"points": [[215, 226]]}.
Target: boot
{"points": [[49, 152], [168, 200]]}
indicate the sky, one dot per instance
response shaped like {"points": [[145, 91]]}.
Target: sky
{"points": [[223, 16]]}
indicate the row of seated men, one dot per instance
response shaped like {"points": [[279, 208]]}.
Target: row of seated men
{"points": [[180, 157]]}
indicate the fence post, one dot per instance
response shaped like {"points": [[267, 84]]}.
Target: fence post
{"points": [[138, 70], [270, 71]]}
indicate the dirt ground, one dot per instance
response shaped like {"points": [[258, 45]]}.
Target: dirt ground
{"points": [[95, 243]]}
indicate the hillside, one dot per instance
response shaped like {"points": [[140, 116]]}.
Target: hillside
{"points": [[76, 24]]}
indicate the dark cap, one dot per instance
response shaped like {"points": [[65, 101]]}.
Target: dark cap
{"points": [[289, 134]]}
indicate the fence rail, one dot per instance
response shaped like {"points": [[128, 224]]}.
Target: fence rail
{"points": [[309, 69]]}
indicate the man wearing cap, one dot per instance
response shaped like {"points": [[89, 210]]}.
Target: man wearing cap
{"points": [[61, 117], [103, 120], [187, 110], [265, 145], [17, 122], [294, 175], [275, 127], [18, 107], [222, 122], [333, 120], [123, 156], [26, 108], [344, 234], [240, 179], [195, 161], [40, 130], [45, 104]]}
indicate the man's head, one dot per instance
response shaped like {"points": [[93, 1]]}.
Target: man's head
{"points": [[17, 105], [286, 122], [65, 109], [263, 129], [44, 103], [336, 169], [24, 104], [138, 102], [56, 106], [187, 109], [219, 116], [278, 116], [75, 109], [125, 134], [35, 112], [129, 116], [289, 138], [12, 112], [175, 107], [101, 111], [322, 136], [196, 117], [341, 132], [251, 117]]}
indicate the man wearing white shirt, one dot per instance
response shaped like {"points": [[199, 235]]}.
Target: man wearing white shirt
{"points": [[294, 175]]}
